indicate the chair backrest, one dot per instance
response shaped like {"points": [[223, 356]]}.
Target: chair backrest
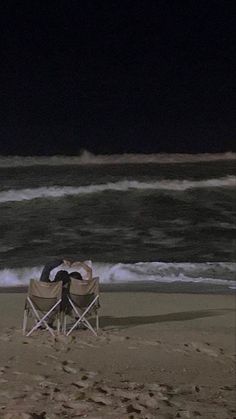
{"points": [[82, 293], [44, 294]]}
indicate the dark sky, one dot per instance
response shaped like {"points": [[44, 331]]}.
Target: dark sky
{"points": [[114, 77]]}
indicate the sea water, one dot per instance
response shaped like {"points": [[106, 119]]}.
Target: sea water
{"points": [[166, 219]]}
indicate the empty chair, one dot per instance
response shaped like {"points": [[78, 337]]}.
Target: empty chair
{"points": [[43, 303], [83, 298]]}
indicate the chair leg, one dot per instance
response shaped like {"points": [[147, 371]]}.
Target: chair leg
{"points": [[64, 324], [62, 321], [97, 322], [25, 321], [58, 323]]}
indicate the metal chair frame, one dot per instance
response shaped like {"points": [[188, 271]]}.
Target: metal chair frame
{"points": [[41, 315]]}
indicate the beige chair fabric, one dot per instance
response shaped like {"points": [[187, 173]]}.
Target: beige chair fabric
{"points": [[43, 302], [78, 287], [84, 299]]}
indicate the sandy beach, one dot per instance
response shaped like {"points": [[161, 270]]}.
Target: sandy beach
{"points": [[156, 356]]}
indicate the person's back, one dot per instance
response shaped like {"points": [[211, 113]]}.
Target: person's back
{"points": [[45, 275]]}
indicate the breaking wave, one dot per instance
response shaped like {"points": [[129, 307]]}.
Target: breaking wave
{"points": [[86, 158], [125, 185], [221, 273]]}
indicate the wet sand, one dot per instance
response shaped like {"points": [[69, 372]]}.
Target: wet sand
{"points": [[156, 356]]}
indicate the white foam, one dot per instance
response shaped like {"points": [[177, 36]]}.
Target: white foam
{"points": [[125, 185], [208, 273], [86, 158], [18, 276], [168, 272]]}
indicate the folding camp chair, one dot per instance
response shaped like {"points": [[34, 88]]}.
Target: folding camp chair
{"points": [[83, 297], [43, 302]]}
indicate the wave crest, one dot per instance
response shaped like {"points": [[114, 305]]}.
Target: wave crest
{"points": [[122, 186], [221, 273], [87, 158]]}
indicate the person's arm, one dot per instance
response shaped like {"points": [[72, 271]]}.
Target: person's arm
{"points": [[48, 268], [87, 274], [87, 268]]}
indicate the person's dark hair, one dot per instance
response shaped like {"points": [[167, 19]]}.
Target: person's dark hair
{"points": [[62, 276], [76, 275]]}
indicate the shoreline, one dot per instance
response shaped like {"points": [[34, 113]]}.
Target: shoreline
{"points": [[148, 286]]}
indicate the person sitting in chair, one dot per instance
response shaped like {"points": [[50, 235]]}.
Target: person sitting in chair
{"points": [[62, 276], [45, 275], [65, 277]]}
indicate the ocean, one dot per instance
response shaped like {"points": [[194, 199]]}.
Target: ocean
{"points": [[150, 219]]}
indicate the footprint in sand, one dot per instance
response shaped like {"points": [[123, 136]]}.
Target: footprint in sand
{"points": [[3, 381], [69, 370], [202, 348], [5, 338]]}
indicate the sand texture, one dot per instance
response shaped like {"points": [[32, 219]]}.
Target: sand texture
{"points": [[156, 356]]}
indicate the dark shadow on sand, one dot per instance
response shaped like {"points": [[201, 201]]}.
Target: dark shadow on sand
{"points": [[125, 322]]}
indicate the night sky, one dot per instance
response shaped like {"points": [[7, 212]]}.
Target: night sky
{"points": [[115, 77]]}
